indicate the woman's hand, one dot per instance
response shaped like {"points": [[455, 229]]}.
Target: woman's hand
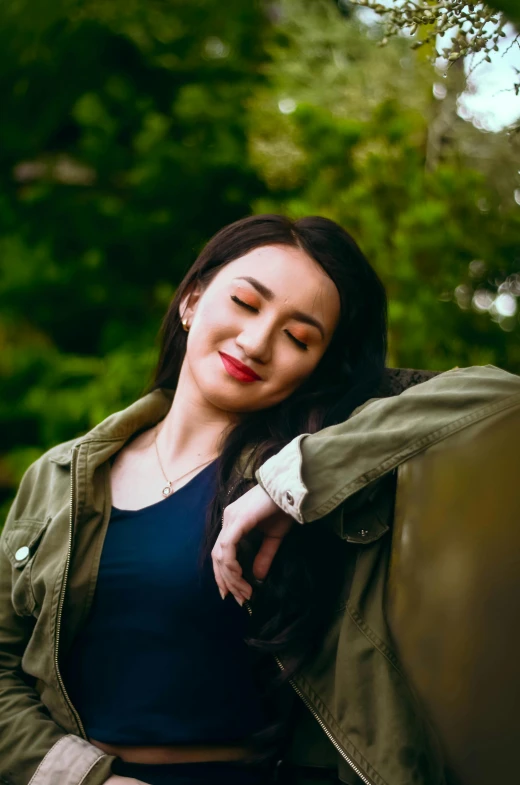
{"points": [[254, 509]]}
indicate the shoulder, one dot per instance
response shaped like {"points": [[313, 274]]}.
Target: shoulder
{"points": [[48, 475], [59, 454]]}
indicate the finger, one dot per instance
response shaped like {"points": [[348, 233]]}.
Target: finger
{"points": [[230, 572], [227, 553], [219, 581], [239, 588], [230, 569], [264, 557], [224, 574], [216, 555]]}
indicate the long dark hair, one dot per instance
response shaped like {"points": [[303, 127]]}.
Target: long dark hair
{"points": [[289, 611]]}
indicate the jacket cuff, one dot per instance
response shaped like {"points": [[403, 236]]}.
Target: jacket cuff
{"points": [[281, 478], [73, 761]]}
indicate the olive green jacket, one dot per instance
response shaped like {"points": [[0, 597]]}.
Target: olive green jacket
{"points": [[363, 716]]}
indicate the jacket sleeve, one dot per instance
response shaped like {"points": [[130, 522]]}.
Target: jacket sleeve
{"points": [[315, 473], [33, 748]]}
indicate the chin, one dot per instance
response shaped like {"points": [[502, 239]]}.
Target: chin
{"points": [[226, 395], [237, 402]]}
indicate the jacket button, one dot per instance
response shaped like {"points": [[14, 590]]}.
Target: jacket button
{"points": [[21, 553], [289, 497]]}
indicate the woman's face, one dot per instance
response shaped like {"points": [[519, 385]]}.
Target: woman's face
{"points": [[260, 328]]}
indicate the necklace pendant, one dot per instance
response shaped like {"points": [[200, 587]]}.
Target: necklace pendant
{"points": [[167, 489]]}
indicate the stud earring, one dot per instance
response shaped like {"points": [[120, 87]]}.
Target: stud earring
{"points": [[185, 326]]}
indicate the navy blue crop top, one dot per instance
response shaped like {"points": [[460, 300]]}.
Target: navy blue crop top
{"points": [[161, 658]]}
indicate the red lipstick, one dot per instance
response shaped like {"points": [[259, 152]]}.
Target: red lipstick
{"points": [[238, 370]]}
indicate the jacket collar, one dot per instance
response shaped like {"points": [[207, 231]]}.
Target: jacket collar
{"points": [[107, 438], [118, 428]]}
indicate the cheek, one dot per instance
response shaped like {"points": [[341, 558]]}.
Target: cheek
{"points": [[212, 324], [291, 370], [212, 329]]}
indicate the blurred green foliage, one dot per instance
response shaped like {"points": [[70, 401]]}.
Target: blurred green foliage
{"points": [[131, 132]]}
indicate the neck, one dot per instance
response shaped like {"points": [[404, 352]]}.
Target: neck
{"points": [[192, 430]]}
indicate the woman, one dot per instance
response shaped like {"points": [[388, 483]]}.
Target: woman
{"points": [[118, 658]]}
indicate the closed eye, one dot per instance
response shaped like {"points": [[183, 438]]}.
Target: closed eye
{"points": [[295, 340], [243, 304]]}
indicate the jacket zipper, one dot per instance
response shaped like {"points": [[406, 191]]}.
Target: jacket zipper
{"points": [[318, 719], [62, 596]]}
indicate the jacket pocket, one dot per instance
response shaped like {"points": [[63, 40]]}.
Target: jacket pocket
{"points": [[20, 545], [367, 515]]}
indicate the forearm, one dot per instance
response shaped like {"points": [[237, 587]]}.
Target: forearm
{"points": [[35, 749], [315, 473]]}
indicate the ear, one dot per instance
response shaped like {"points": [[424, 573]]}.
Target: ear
{"points": [[188, 304]]}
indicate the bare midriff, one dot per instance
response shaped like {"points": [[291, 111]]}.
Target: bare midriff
{"points": [[176, 753]]}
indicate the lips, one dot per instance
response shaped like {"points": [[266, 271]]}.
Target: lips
{"points": [[238, 370]]}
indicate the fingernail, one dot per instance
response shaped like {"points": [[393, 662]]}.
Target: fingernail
{"points": [[222, 594], [240, 601]]}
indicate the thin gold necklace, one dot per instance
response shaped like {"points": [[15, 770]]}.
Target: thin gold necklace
{"points": [[168, 488]]}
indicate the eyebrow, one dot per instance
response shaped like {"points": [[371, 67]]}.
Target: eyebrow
{"points": [[270, 295]]}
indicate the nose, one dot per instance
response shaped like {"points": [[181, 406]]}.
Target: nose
{"points": [[255, 340]]}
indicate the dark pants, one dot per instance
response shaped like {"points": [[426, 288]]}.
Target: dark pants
{"points": [[221, 773], [225, 774]]}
